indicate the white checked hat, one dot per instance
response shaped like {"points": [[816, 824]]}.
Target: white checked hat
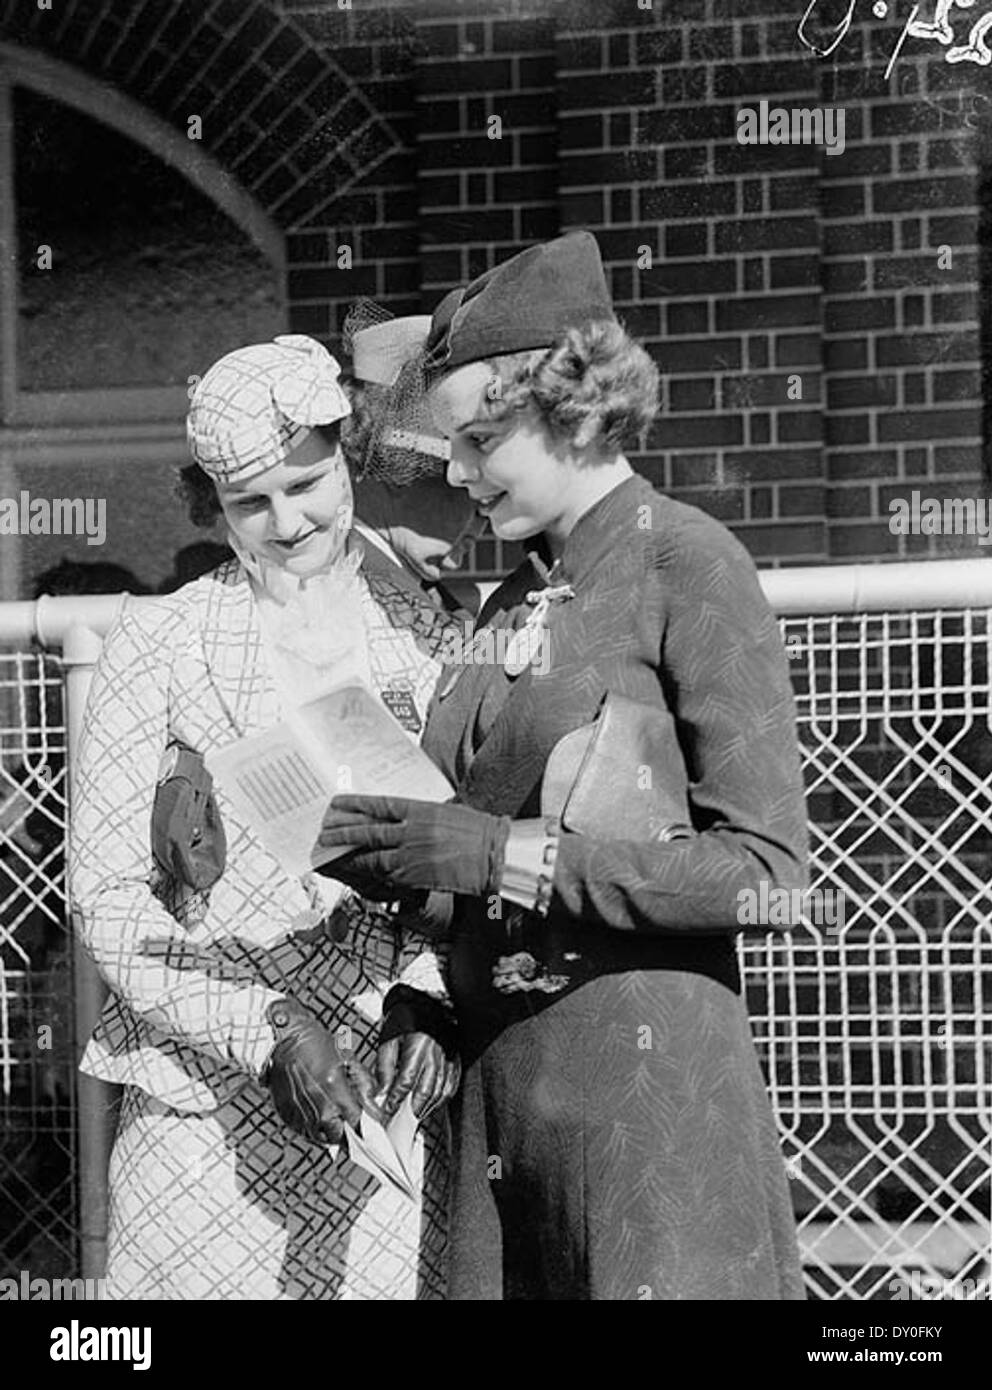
{"points": [[258, 403]]}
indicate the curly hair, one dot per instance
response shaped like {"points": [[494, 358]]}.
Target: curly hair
{"points": [[196, 490], [593, 387]]}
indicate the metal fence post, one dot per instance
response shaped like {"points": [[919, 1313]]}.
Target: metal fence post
{"points": [[80, 652]]}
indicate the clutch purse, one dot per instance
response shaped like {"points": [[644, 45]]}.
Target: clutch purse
{"points": [[622, 777], [188, 841]]}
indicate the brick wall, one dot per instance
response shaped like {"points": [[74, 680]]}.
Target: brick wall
{"points": [[821, 354], [901, 317], [818, 361], [730, 304]]}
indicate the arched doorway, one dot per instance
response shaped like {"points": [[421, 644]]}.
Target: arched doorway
{"points": [[129, 260]]}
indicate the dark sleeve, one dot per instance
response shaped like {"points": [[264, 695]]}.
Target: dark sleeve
{"points": [[725, 674]]}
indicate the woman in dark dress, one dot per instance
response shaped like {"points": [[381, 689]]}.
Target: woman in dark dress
{"points": [[613, 1138]]}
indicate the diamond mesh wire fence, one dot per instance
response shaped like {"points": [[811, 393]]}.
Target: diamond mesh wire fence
{"points": [[871, 1019], [38, 1203]]}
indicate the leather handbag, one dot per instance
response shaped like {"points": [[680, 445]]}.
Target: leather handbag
{"points": [[621, 777], [188, 840]]}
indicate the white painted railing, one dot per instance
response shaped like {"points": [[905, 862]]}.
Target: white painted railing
{"points": [[872, 1027]]}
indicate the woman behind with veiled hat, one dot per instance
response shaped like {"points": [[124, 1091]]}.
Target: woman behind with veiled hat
{"points": [[412, 523], [243, 1008], [624, 751]]}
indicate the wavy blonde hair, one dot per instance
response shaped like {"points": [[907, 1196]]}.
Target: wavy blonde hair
{"points": [[593, 387]]}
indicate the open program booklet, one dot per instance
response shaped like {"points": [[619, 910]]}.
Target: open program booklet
{"points": [[281, 781]]}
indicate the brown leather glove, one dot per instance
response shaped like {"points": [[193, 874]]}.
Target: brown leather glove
{"points": [[315, 1084], [418, 1052], [407, 844]]}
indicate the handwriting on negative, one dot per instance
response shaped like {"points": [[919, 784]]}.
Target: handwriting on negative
{"points": [[937, 28]]}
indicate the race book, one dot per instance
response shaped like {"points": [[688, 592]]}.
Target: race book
{"points": [[281, 781]]}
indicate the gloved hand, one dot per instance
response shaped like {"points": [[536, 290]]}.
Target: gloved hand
{"points": [[415, 844], [315, 1085], [418, 1053]]}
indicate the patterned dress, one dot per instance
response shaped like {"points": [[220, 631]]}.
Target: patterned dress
{"points": [[613, 1138], [211, 1195]]}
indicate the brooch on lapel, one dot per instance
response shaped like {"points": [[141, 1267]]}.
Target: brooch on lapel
{"points": [[527, 645], [514, 650]]}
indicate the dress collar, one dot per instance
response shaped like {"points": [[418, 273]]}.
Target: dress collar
{"points": [[595, 533], [370, 537]]}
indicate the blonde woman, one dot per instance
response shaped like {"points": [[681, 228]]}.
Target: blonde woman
{"points": [[613, 1138]]}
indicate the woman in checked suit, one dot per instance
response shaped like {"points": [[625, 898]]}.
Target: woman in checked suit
{"points": [[232, 1006]]}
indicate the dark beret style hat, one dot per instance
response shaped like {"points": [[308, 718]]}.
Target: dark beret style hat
{"points": [[527, 302]]}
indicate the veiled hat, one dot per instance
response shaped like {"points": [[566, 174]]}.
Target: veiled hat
{"points": [[392, 437]]}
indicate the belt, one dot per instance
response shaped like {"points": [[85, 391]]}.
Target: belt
{"points": [[505, 970]]}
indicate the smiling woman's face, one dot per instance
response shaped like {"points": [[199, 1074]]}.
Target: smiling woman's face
{"points": [[297, 514], [508, 466]]}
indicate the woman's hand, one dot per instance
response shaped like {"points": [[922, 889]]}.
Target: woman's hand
{"points": [[418, 1052], [415, 1064], [415, 844], [315, 1085], [426, 555]]}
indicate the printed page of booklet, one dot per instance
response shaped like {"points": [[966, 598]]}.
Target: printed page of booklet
{"points": [[387, 1152], [280, 781]]}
